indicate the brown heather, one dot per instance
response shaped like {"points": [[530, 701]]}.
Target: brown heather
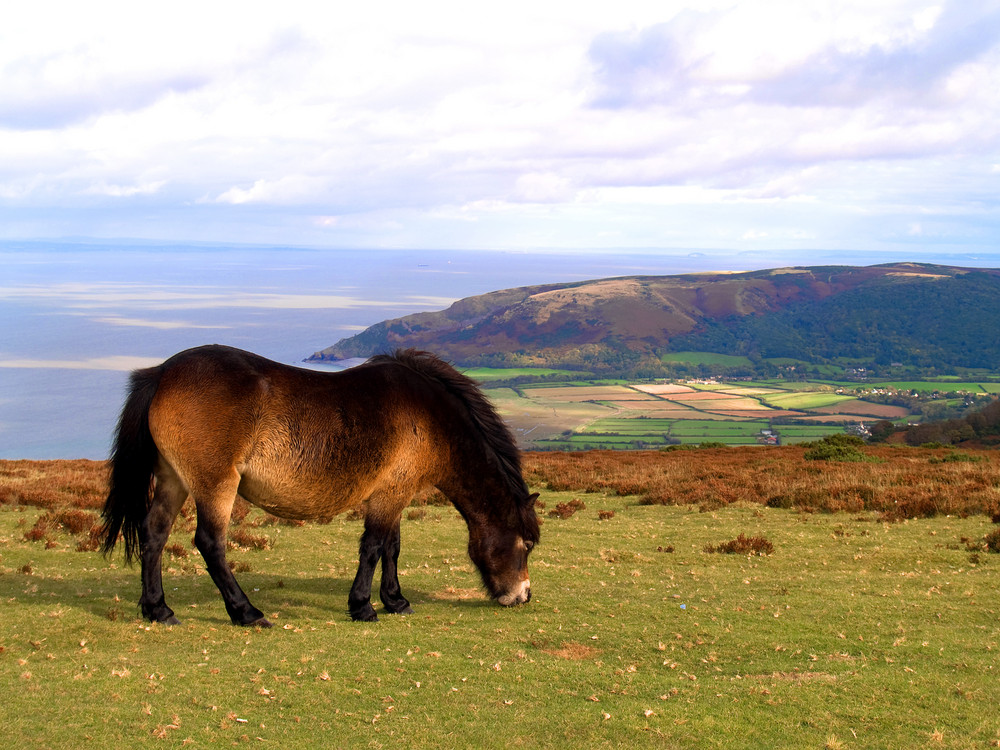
{"points": [[742, 545], [53, 484], [900, 483]]}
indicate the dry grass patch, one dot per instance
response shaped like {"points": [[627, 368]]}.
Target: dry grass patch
{"points": [[449, 593], [573, 651]]}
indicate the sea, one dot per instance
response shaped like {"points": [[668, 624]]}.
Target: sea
{"points": [[77, 316]]}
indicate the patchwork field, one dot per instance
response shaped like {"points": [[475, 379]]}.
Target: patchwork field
{"points": [[617, 415], [577, 414]]}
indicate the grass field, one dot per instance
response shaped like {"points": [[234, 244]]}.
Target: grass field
{"points": [[804, 400], [853, 632], [943, 386], [707, 358], [487, 374]]}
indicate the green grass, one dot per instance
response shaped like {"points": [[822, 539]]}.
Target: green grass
{"points": [[655, 431], [487, 374], [707, 358], [717, 427], [586, 438], [792, 434], [929, 386], [631, 426], [803, 400], [853, 631]]}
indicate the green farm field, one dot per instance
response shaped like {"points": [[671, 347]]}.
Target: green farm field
{"points": [[852, 632], [707, 358], [488, 374], [804, 400], [929, 386]]}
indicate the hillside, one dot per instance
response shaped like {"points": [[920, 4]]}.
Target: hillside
{"points": [[920, 315]]}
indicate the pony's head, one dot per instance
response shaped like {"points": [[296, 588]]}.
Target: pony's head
{"points": [[500, 552]]}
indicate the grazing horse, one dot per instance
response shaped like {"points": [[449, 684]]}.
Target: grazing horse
{"points": [[214, 422]]}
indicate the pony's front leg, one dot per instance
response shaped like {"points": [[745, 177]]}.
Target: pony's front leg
{"points": [[377, 544], [389, 591], [359, 600]]}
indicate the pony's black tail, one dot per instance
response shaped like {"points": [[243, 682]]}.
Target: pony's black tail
{"points": [[132, 461]]}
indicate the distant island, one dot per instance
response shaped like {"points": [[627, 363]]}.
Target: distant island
{"points": [[898, 318]]}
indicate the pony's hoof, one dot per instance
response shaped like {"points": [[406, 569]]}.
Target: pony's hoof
{"points": [[257, 622], [365, 615], [163, 619], [398, 608]]}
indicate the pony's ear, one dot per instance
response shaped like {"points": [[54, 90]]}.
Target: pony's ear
{"points": [[532, 498]]}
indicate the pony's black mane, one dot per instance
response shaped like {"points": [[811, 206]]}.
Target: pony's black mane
{"points": [[497, 437]]}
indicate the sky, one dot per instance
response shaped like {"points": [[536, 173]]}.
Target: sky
{"points": [[870, 126]]}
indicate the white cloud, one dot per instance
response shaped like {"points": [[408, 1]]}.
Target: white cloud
{"points": [[163, 325], [121, 363], [84, 296], [286, 190], [543, 187], [396, 123], [125, 191]]}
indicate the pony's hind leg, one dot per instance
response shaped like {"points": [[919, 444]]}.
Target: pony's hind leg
{"points": [[168, 497], [214, 510]]}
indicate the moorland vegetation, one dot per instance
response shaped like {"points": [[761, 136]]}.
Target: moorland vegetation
{"points": [[683, 598]]}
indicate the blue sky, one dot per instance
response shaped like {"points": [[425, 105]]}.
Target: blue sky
{"points": [[751, 126]]}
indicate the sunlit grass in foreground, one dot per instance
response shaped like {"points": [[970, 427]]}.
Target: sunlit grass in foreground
{"points": [[853, 632]]}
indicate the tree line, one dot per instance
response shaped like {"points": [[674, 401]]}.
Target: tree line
{"points": [[982, 426]]}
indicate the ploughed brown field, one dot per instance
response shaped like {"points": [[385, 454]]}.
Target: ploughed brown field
{"points": [[896, 483]]}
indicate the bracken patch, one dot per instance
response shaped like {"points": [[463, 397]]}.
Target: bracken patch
{"points": [[243, 538], [992, 541], [743, 545], [565, 510]]}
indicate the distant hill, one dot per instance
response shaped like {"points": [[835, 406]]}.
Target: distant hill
{"points": [[915, 315]]}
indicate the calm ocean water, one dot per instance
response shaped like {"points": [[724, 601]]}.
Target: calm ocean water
{"points": [[76, 318]]}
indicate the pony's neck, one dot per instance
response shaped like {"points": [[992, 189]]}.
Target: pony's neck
{"points": [[478, 496]]}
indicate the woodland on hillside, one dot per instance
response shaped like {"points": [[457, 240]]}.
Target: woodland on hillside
{"points": [[981, 427], [929, 326]]}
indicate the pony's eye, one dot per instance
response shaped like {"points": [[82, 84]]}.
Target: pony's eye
{"points": [[529, 546]]}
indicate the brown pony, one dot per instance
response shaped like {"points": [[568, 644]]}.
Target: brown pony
{"points": [[214, 422]]}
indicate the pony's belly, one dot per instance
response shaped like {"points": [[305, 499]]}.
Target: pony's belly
{"points": [[296, 500]]}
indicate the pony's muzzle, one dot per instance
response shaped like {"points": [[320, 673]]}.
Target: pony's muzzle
{"points": [[521, 595]]}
